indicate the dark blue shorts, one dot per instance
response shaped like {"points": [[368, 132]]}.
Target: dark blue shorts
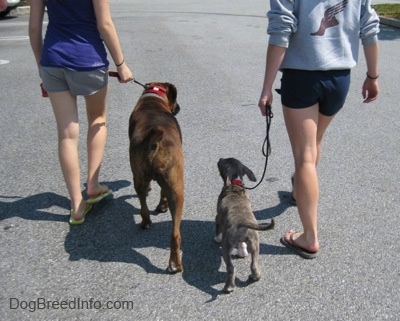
{"points": [[304, 88]]}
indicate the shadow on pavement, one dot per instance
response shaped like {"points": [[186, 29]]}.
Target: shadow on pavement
{"points": [[33, 207], [111, 234], [36, 207], [388, 33], [202, 255]]}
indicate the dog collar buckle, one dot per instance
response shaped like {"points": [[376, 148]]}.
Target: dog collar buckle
{"points": [[237, 182]]}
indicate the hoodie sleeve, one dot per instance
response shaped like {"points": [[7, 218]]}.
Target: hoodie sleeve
{"points": [[369, 24], [281, 22]]}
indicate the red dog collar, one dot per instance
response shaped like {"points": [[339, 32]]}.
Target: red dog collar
{"points": [[237, 182], [156, 89]]}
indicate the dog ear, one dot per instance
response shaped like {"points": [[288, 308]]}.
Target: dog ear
{"points": [[224, 178], [249, 173], [223, 169], [172, 93]]}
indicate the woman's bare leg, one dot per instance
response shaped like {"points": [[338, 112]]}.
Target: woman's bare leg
{"points": [[96, 107], [66, 114], [306, 128]]}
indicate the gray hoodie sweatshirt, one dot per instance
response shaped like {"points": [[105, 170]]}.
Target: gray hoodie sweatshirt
{"points": [[321, 34]]}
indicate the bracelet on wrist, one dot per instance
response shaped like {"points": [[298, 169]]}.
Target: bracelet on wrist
{"points": [[373, 78], [119, 65]]}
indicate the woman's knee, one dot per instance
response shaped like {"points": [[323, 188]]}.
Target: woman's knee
{"points": [[69, 132]]}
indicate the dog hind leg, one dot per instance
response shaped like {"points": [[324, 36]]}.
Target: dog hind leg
{"points": [[141, 189], [254, 249], [176, 208], [230, 269]]}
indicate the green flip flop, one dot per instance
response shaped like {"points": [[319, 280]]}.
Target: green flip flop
{"points": [[73, 221], [102, 195]]}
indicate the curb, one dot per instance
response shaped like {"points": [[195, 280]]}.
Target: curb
{"points": [[19, 11], [25, 10], [390, 22]]}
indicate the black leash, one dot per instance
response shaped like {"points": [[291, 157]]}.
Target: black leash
{"points": [[266, 147], [136, 82], [115, 74]]}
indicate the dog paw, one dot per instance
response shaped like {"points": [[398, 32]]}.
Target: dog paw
{"points": [[254, 277], [228, 288], [145, 225], [161, 209], [218, 238], [174, 269]]}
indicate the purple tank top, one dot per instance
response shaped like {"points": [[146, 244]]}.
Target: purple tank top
{"points": [[72, 40]]}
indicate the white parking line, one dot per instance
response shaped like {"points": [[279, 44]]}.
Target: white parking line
{"points": [[14, 38]]}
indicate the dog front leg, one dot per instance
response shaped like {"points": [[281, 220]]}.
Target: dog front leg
{"points": [[218, 228], [162, 206]]}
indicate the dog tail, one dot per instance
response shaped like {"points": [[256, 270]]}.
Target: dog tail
{"points": [[154, 137], [260, 227]]}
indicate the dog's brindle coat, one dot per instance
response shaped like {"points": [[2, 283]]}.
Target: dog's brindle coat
{"points": [[235, 221], [155, 152]]}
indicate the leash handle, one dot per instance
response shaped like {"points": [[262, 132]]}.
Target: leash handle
{"points": [[44, 92], [113, 74]]}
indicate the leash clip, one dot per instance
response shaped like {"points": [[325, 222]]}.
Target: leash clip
{"points": [[136, 82]]}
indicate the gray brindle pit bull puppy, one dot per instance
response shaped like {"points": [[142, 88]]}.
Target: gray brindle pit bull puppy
{"points": [[235, 221]]}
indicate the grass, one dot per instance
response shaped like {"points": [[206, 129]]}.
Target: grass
{"points": [[391, 10]]}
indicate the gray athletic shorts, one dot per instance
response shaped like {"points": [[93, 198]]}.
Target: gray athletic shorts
{"points": [[78, 83]]}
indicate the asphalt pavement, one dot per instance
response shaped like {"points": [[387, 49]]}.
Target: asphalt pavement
{"points": [[109, 269]]}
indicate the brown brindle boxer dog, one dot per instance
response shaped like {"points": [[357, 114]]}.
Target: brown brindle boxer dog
{"points": [[155, 152]]}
